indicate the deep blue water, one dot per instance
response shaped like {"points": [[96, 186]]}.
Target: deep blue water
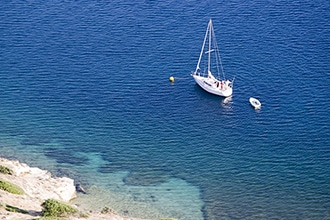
{"points": [[92, 76]]}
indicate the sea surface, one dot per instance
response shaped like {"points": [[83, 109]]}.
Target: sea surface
{"points": [[85, 92]]}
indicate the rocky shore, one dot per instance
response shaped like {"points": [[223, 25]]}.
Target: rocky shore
{"points": [[38, 185]]}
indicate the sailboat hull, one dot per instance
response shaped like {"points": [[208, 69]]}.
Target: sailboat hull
{"points": [[214, 86]]}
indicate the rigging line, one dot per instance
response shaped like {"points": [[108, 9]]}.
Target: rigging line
{"points": [[218, 57]]}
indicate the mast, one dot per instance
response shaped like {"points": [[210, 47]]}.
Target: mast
{"points": [[209, 51]]}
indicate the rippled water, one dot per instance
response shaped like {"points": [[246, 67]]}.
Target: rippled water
{"points": [[84, 92]]}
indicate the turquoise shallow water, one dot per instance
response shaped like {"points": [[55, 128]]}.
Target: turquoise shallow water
{"points": [[84, 92]]}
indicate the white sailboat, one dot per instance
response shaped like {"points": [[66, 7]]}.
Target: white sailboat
{"points": [[214, 84]]}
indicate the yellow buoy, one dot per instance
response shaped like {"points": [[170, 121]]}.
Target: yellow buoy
{"points": [[172, 79]]}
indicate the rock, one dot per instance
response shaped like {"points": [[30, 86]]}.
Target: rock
{"points": [[39, 183], [80, 189], [39, 186]]}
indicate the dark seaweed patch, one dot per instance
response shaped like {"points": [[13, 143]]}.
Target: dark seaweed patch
{"points": [[145, 178], [65, 156]]}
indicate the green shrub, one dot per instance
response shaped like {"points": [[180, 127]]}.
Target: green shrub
{"points": [[50, 218], [54, 208], [10, 208], [11, 188], [106, 210], [6, 170], [84, 215]]}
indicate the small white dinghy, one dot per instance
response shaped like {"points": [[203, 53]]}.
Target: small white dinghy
{"points": [[255, 103]]}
